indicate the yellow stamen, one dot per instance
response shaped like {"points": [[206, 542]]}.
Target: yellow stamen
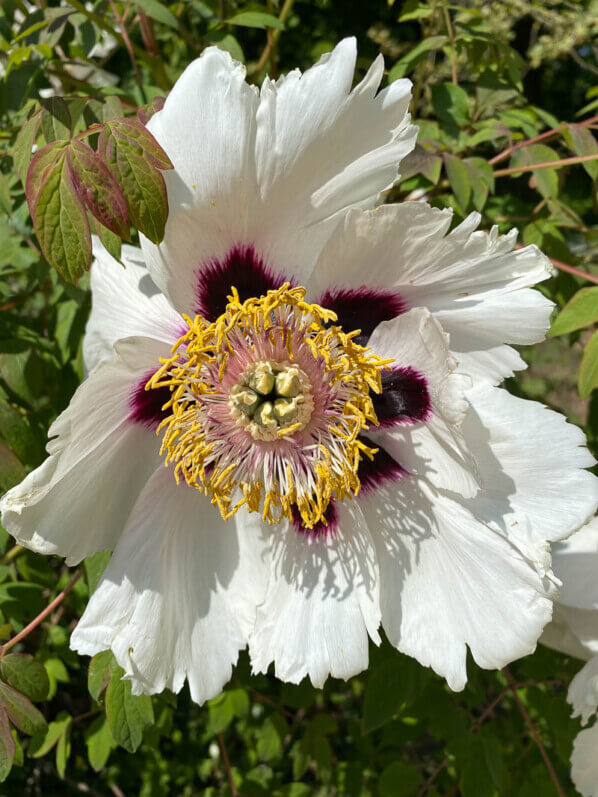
{"points": [[275, 397]]}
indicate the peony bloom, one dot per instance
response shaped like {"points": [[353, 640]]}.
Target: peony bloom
{"points": [[574, 630], [276, 438]]}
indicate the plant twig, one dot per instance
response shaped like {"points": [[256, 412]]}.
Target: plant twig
{"points": [[532, 167], [546, 134], [273, 39], [451, 35], [226, 760], [534, 733], [16, 549], [127, 42], [576, 271], [41, 616]]}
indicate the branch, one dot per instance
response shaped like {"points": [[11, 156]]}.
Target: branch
{"points": [[225, 758], [451, 35], [532, 167], [547, 134], [273, 39], [534, 733], [41, 616]]}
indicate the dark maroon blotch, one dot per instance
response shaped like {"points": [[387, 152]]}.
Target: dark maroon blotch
{"points": [[405, 397], [146, 405], [242, 268], [319, 528], [362, 308], [378, 471]]}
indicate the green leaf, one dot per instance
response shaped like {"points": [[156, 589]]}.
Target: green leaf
{"points": [[127, 714], [56, 119], [5, 200], [415, 55], [110, 241], [21, 710], [581, 311], [94, 567], [458, 178], [270, 737], [97, 188], [101, 668], [63, 749], [133, 156], [584, 143], [255, 19], [60, 222], [587, 378], [99, 742], [26, 675], [45, 739], [546, 180], [23, 149], [390, 687], [450, 104], [399, 780], [7, 746], [159, 12]]}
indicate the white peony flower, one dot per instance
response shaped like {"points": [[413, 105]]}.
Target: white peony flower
{"points": [[574, 630], [324, 465]]}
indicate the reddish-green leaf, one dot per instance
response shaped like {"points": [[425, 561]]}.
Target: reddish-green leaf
{"points": [[42, 159], [60, 222], [145, 112], [21, 710], [134, 157], [7, 746], [131, 131], [97, 188], [26, 675]]}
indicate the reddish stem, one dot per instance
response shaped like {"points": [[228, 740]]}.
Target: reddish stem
{"points": [[547, 134], [547, 165], [576, 271], [534, 733], [41, 616]]}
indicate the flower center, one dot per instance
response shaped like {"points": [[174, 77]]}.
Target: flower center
{"points": [[267, 405], [270, 397]]}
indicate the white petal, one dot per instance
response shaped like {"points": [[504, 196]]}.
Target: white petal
{"points": [[434, 448], [321, 603], [474, 282], [125, 303], [531, 465], [273, 171], [583, 691], [562, 631], [78, 501], [584, 762], [321, 147], [207, 128], [448, 582], [575, 562], [178, 599]]}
